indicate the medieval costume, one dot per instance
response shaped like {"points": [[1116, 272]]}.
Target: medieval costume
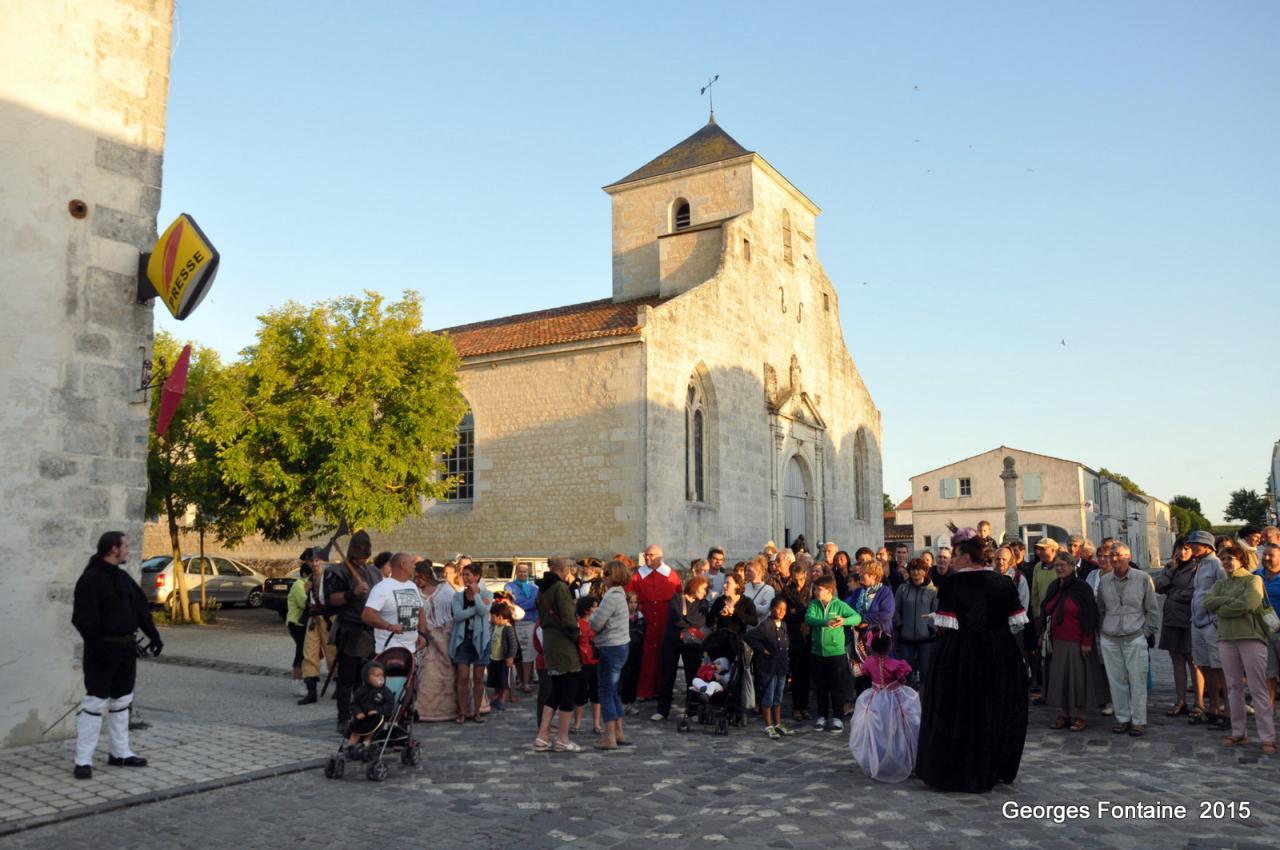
{"points": [[654, 588], [974, 719]]}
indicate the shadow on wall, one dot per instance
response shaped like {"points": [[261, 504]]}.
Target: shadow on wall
{"points": [[575, 479]]}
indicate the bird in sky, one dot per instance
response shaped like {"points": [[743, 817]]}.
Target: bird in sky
{"points": [[1064, 343]]}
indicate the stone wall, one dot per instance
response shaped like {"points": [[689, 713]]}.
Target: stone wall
{"points": [[727, 329], [559, 465], [83, 89]]}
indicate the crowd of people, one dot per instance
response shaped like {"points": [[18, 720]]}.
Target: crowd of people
{"points": [[979, 631]]}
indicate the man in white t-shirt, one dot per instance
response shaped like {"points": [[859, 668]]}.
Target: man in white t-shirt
{"points": [[394, 608]]}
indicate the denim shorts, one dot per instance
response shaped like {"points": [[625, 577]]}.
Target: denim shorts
{"points": [[771, 691], [466, 655]]}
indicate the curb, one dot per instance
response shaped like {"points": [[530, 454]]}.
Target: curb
{"points": [[221, 666], [162, 794]]}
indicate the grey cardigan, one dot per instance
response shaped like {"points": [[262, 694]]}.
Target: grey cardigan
{"points": [[611, 619]]}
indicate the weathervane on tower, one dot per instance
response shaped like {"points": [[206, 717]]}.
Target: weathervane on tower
{"points": [[710, 96]]}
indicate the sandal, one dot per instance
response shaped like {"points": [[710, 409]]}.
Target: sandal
{"points": [[462, 718], [1269, 748], [570, 747], [541, 746], [1177, 710], [599, 730], [1237, 742], [1060, 723], [475, 718], [1079, 725], [1198, 716]]}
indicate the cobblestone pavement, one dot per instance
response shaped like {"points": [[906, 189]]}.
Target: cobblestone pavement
{"points": [[481, 786]]}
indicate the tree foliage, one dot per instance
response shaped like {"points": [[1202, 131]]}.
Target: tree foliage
{"points": [[889, 506], [340, 412], [1189, 515], [1127, 483], [183, 474], [1247, 506]]}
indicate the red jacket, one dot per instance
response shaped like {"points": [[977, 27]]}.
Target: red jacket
{"points": [[585, 637]]}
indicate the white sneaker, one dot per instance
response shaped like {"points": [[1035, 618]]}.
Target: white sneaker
{"points": [[657, 717], [837, 725], [299, 688], [820, 724], [1108, 710]]}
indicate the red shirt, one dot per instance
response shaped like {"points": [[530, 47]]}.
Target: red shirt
{"points": [[585, 636], [1069, 628]]}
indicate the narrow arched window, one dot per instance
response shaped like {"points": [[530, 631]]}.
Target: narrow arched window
{"points": [[680, 217], [697, 443], [861, 475], [460, 462], [786, 236]]}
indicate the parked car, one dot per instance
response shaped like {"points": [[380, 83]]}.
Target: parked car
{"points": [[496, 572], [275, 592], [226, 580]]}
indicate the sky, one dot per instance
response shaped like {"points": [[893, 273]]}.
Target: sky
{"points": [[1052, 226]]}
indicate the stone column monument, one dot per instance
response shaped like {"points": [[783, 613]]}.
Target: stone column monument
{"points": [[1010, 478]]}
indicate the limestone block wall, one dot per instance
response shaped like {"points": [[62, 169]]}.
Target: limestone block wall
{"points": [[727, 328], [642, 212], [558, 457], [83, 90], [688, 258]]}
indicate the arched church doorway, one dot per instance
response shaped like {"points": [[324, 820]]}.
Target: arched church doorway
{"points": [[795, 502]]}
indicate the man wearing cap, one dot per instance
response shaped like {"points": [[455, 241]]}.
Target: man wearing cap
{"points": [[1204, 630], [1042, 575]]}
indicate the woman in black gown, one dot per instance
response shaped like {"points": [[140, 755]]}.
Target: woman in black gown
{"points": [[974, 713]]}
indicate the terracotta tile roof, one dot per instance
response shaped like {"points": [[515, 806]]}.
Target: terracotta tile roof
{"points": [[591, 320], [905, 504]]}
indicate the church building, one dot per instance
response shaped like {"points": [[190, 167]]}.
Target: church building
{"points": [[711, 400]]}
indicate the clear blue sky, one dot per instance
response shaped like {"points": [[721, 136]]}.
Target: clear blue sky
{"points": [[1002, 176]]}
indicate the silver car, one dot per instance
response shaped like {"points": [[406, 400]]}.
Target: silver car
{"points": [[226, 580]]}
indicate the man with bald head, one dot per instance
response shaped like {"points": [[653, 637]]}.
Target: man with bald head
{"points": [[394, 608], [653, 584]]}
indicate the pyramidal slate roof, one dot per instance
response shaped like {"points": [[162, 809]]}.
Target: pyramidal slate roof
{"points": [[708, 145]]}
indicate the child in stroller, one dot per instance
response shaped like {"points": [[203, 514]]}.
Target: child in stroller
{"points": [[715, 697], [383, 716]]}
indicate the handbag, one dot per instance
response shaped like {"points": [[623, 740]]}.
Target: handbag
{"points": [[690, 637]]}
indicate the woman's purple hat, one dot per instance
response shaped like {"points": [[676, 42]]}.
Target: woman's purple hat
{"points": [[963, 534]]}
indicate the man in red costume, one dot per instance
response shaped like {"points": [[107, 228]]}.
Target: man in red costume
{"points": [[653, 584]]}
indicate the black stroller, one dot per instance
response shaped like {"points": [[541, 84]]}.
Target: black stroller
{"points": [[396, 732], [723, 707]]}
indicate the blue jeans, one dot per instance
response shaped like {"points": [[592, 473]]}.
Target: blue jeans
{"points": [[918, 655], [771, 691], [610, 670]]}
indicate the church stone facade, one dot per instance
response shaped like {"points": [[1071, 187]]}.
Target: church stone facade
{"points": [[710, 400]]}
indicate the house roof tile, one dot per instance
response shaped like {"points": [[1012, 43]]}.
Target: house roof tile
{"points": [[571, 323]]}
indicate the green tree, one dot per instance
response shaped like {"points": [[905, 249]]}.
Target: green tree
{"points": [[1186, 510], [889, 506], [1246, 506], [339, 412], [1123, 480], [182, 466]]}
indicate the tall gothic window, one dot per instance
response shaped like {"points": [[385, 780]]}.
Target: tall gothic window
{"points": [[786, 236], [861, 475], [697, 443], [461, 462]]}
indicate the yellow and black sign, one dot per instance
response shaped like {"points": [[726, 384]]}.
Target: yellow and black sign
{"points": [[180, 268]]}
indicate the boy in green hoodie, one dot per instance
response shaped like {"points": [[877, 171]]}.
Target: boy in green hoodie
{"points": [[827, 618]]}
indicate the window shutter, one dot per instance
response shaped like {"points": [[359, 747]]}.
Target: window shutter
{"points": [[948, 488], [1031, 487]]}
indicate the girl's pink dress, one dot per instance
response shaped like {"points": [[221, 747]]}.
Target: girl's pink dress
{"points": [[886, 722]]}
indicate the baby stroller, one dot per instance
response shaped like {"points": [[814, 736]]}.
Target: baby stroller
{"points": [[723, 707], [396, 731]]}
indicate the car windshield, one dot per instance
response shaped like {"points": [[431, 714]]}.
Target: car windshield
{"points": [[156, 564]]}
